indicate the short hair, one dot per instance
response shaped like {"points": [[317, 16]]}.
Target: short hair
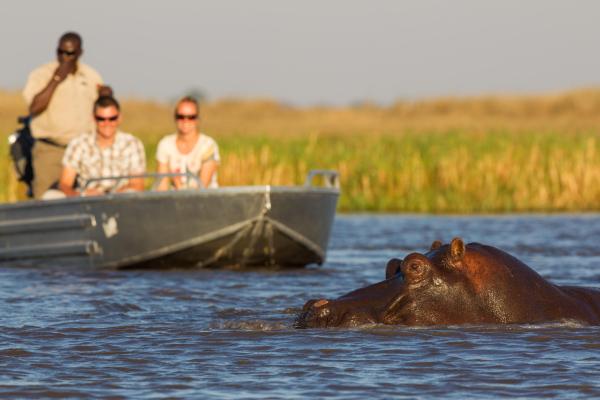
{"points": [[188, 99], [71, 36], [106, 101]]}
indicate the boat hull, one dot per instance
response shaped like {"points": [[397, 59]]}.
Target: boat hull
{"points": [[232, 227]]}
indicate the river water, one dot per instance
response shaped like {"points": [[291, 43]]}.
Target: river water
{"points": [[229, 334]]}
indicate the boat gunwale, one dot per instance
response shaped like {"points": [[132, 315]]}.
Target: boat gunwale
{"points": [[150, 194]]}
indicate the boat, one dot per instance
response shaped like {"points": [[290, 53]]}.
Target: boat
{"points": [[242, 226]]}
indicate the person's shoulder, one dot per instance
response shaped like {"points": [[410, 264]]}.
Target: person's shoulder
{"points": [[89, 72], [207, 140], [84, 136], [168, 140], [126, 137], [44, 69], [81, 140], [38, 79]]}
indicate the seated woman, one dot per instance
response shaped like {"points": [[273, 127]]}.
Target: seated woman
{"points": [[188, 150]]}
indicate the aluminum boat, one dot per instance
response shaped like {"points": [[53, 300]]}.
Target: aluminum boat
{"points": [[242, 226]]}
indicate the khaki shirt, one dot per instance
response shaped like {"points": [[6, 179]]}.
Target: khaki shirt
{"points": [[70, 109]]}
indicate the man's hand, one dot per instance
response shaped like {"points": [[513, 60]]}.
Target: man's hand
{"points": [[64, 69], [93, 192]]}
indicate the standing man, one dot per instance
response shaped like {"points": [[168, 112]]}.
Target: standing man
{"points": [[60, 95], [105, 152]]}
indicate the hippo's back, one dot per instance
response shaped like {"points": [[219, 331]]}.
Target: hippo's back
{"points": [[588, 298]]}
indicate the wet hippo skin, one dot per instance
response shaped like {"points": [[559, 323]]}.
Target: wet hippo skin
{"points": [[455, 284]]}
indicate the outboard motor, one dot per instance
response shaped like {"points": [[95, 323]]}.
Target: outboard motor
{"points": [[21, 143]]}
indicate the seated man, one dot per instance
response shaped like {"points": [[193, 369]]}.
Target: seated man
{"points": [[105, 152]]}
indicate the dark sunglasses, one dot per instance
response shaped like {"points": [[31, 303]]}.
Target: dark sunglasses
{"points": [[65, 52], [188, 117], [102, 119]]}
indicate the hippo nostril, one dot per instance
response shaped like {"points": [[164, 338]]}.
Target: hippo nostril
{"points": [[320, 303]]}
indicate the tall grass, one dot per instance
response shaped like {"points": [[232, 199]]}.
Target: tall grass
{"points": [[492, 154]]}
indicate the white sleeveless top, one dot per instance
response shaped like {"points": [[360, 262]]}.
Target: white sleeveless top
{"points": [[205, 150]]}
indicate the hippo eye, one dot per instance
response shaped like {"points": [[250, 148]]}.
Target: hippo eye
{"points": [[415, 268]]}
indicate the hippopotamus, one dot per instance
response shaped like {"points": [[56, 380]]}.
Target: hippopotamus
{"points": [[454, 284]]}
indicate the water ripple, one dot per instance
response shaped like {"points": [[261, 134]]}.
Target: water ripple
{"points": [[178, 333]]}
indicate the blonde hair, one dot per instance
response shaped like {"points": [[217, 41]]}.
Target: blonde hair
{"points": [[188, 99]]}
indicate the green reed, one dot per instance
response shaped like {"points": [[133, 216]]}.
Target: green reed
{"points": [[451, 172]]}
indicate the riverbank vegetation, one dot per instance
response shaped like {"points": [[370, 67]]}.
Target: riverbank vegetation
{"points": [[453, 155]]}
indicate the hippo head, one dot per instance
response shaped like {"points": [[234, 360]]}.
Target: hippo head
{"points": [[451, 284]]}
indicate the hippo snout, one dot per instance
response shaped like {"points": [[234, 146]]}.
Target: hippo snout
{"points": [[314, 314], [346, 312]]}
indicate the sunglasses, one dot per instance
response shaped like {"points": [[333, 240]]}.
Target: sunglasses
{"points": [[102, 119], [65, 52], [188, 117]]}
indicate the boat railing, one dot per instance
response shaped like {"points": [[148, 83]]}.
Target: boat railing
{"points": [[153, 175], [330, 178]]}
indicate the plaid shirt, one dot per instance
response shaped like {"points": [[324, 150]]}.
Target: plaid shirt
{"points": [[125, 157]]}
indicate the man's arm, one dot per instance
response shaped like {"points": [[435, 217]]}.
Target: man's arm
{"points": [[67, 179], [136, 185], [42, 99]]}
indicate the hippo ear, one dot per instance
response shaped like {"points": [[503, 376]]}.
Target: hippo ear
{"points": [[457, 248], [392, 268], [436, 245]]}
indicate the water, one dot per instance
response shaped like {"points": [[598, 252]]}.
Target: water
{"points": [[228, 334]]}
